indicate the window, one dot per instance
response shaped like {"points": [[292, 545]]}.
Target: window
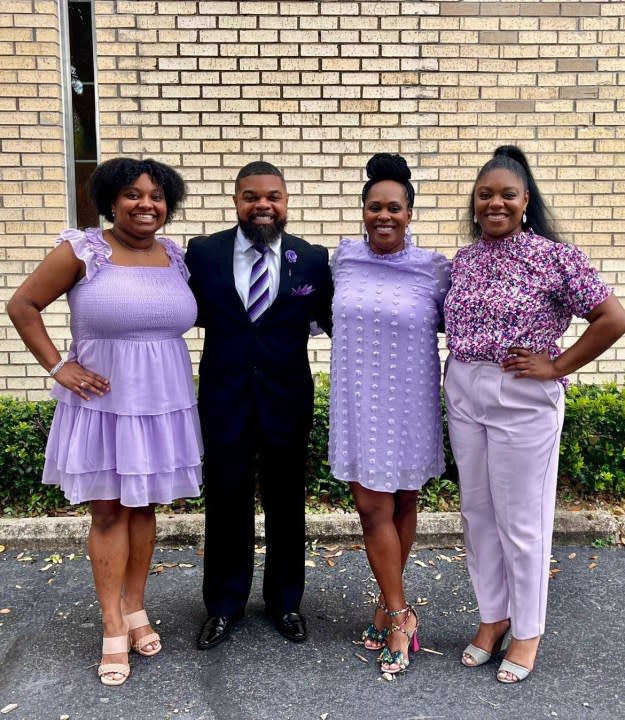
{"points": [[81, 122]]}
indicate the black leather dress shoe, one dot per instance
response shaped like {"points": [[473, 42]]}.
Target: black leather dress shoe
{"points": [[215, 630], [292, 626]]}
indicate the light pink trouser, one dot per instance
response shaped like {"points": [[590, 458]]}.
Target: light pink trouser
{"points": [[505, 437]]}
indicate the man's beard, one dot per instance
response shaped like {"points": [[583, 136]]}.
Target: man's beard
{"points": [[263, 234]]}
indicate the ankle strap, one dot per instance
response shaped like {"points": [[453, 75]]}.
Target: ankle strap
{"points": [[395, 613]]}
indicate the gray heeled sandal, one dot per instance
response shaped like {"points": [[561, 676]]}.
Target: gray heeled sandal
{"points": [[483, 656], [518, 671]]}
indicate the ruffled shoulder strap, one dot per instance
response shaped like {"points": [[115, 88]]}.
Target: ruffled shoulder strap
{"points": [[89, 246], [176, 256]]}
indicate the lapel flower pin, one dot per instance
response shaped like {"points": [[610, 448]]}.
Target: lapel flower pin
{"points": [[291, 257], [302, 290]]}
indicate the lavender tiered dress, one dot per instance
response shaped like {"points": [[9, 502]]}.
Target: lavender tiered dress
{"points": [[385, 415], [141, 442]]}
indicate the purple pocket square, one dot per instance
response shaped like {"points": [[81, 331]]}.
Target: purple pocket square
{"points": [[302, 290]]}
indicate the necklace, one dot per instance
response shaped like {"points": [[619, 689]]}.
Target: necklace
{"points": [[128, 246]]}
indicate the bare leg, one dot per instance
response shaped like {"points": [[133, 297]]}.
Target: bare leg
{"points": [[405, 521], [385, 552], [142, 538], [108, 549]]}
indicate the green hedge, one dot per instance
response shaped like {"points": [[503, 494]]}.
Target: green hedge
{"points": [[23, 433], [592, 454]]}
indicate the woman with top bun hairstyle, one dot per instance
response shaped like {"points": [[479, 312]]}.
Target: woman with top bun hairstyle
{"points": [[513, 294], [386, 436]]}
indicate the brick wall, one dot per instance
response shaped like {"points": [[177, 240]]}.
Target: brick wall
{"points": [[316, 88]]}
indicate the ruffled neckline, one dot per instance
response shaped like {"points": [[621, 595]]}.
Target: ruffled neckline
{"points": [[508, 240]]}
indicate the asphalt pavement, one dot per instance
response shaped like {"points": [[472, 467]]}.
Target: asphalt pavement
{"points": [[50, 642]]}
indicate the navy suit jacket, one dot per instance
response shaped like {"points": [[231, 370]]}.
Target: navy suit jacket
{"points": [[259, 367]]}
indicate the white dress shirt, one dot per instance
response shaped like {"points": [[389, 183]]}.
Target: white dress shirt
{"points": [[243, 260]]}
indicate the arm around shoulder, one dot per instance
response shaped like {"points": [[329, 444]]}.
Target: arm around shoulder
{"points": [[323, 299]]}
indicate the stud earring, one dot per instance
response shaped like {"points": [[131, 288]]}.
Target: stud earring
{"points": [[365, 236], [524, 218], [474, 218]]}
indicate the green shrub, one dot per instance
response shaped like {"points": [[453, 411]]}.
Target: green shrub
{"points": [[592, 451], [322, 489], [23, 433], [592, 454]]}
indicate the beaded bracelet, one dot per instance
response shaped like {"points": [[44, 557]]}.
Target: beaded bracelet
{"points": [[53, 371]]}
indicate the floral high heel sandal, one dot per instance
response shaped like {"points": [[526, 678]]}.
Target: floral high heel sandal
{"points": [[397, 662], [375, 639]]}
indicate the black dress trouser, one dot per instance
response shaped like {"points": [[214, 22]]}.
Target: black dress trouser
{"points": [[230, 472]]}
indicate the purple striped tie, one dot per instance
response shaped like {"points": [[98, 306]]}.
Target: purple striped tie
{"points": [[258, 300]]}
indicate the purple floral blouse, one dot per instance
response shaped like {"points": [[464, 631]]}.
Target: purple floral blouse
{"points": [[520, 291]]}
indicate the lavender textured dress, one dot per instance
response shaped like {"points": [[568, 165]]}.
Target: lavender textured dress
{"points": [[385, 417], [140, 443]]}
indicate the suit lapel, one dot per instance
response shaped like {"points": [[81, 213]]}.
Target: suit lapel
{"points": [[286, 268]]}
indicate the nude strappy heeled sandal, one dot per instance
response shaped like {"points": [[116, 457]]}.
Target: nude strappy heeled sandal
{"points": [[112, 646], [139, 619]]}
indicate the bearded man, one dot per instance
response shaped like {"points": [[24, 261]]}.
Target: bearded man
{"points": [[258, 291]]}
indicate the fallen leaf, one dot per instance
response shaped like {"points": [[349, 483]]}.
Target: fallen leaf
{"points": [[7, 708], [420, 563], [572, 556], [592, 566], [199, 553], [330, 562], [1, 548], [323, 716], [185, 565], [310, 563], [64, 717], [438, 576], [5, 611], [361, 657], [46, 567]]}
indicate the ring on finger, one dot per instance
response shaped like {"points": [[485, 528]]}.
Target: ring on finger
{"points": [[83, 384]]}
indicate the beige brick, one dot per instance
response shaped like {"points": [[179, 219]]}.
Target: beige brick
{"points": [[319, 87]]}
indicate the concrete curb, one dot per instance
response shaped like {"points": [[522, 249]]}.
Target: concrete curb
{"points": [[433, 529]]}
